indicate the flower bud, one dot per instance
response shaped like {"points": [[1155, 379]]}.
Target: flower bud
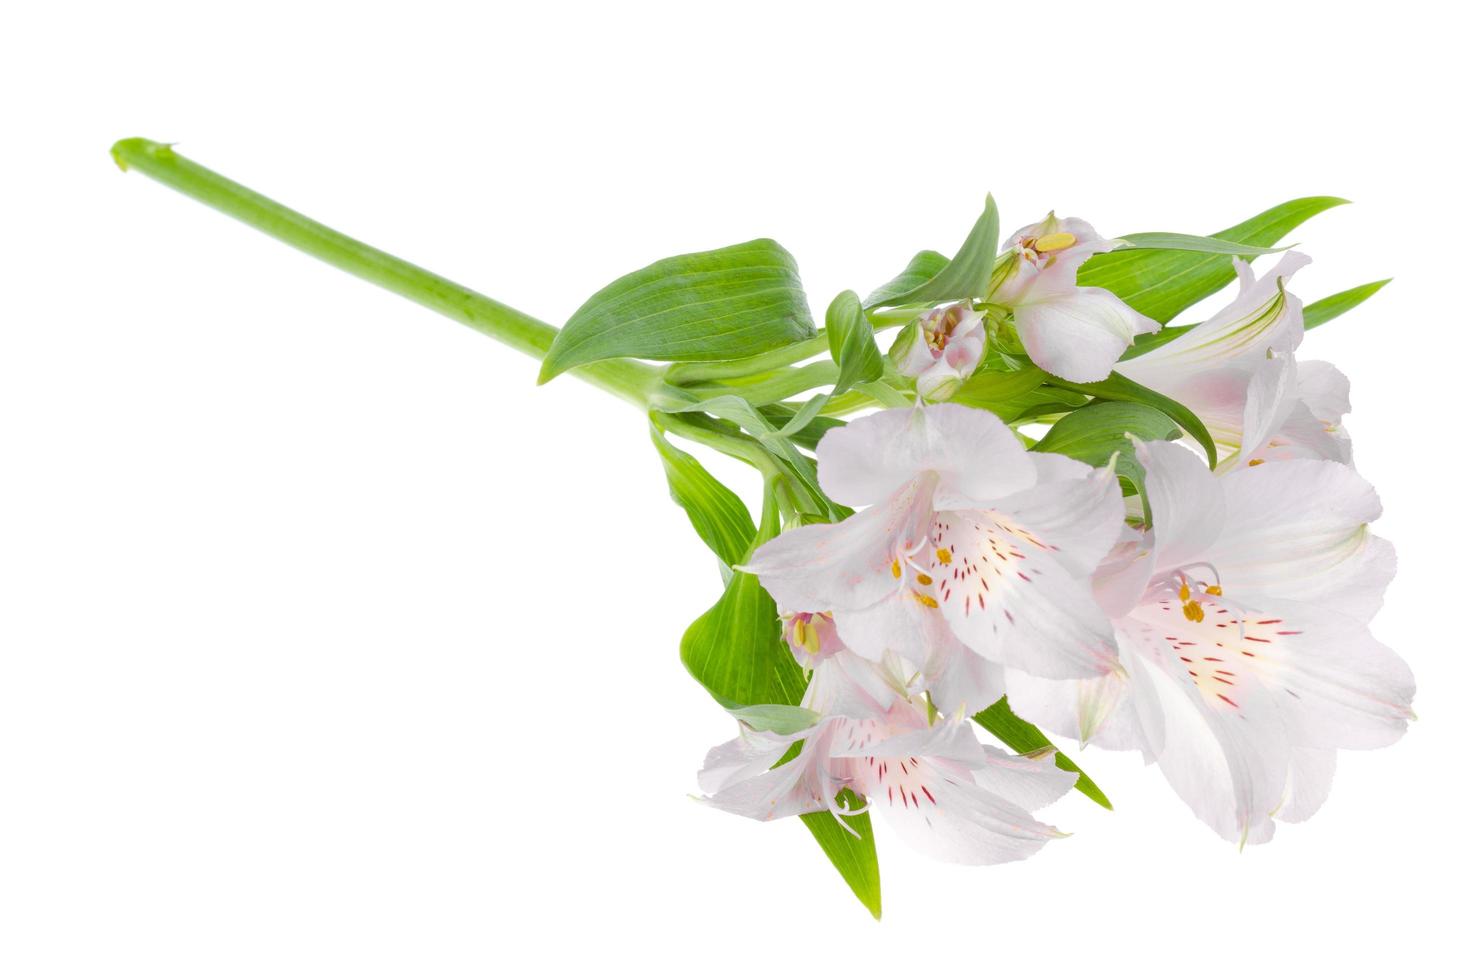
{"points": [[941, 349], [811, 637]]}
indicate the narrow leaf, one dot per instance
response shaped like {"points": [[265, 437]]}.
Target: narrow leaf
{"points": [[1025, 739], [1162, 283], [1336, 304], [1192, 243], [706, 306], [1119, 388], [720, 518], [966, 276]]}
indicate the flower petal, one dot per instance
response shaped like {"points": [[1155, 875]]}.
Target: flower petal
{"points": [[959, 821], [1030, 783], [974, 454], [1225, 750], [1297, 529], [1187, 505], [959, 679], [1079, 334], [1341, 688], [1308, 784], [828, 567], [1006, 596]]}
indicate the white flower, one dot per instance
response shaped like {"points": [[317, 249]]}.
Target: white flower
{"points": [[1075, 332], [968, 546], [1242, 625], [1237, 372], [942, 790], [940, 349]]}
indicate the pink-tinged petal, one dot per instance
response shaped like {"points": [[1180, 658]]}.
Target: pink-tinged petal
{"points": [[1030, 783], [742, 758], [1076, 511], [1079, 334], [848, 685], [1187, 503], [1225, 750], [900, 623], [959, 679], [1298, 530], [1037, 270], [949, 817], [1121, 578], [1268, 403], [1308, 784], [1338, 688], [1006, 596], [973, 454], [848, 565]]}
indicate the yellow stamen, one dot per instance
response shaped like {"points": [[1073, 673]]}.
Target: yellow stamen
{"points": [[927, 601], [1193, 611], [1184, 593], [1054, 242], [895, 568], [811, 642], [1214, 590], [1256, 462], [799, 633], [943, 556], [923, 579]]}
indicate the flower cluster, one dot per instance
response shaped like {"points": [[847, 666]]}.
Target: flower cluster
{"points": [[1215, 618]]}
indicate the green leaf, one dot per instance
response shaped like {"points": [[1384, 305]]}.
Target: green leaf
{"points": [[854, 857], [1025, 739], [706, 306], [1161, 283], [1192, 243], [720, 518], [923, 267], [1097, 431], [1119, 388], [1336, 304], [850, 339], [783, 719], [966, 276], [1003, 393]]}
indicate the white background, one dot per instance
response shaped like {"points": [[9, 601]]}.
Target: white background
{"points": [[331, 646]]}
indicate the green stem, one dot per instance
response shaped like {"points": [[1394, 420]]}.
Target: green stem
{"points": [[628, 379]]}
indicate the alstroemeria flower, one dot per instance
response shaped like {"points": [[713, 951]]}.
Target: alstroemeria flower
{"points": [[1076, 332], [1309, 422], [967, 545], [1236, 371], [941, 349], [942, 790], [1245, 653]]}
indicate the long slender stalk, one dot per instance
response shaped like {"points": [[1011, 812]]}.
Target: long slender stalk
{"points": [[628, 379]]}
